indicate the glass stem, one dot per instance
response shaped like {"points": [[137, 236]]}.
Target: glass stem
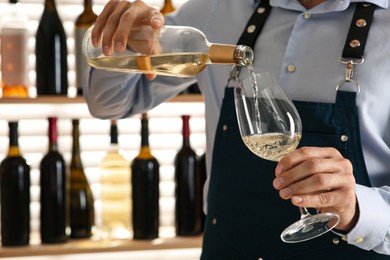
{"points": [[304, 213]]}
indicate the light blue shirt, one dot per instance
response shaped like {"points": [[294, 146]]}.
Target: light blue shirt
{"points": [[301, 49]]}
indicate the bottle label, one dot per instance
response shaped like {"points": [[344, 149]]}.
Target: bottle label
{"points": [[14, 56]]}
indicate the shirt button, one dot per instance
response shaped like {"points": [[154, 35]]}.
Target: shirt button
{"points": [[224, 128], [214, 221], [358, 240], [336, 241], [306, 16], [291, 68]]}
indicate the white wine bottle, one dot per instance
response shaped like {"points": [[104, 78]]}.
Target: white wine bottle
{"points": [[179, 51], [116, 190], [14, 52]]}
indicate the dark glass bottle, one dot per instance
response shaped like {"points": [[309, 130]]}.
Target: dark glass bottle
{"points": [[51, 53], [188, 210], [145, 188], [82, 215], [203, 178], [53, 198], [15, 194], [82, 23]]}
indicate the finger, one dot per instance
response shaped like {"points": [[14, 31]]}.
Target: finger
{"points": [[296, 157], [150, 76], [324, 199], [111, 27], [101, 22], [138, 14]]}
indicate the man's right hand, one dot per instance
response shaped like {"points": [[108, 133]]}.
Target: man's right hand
{"points": [[117, 20]]}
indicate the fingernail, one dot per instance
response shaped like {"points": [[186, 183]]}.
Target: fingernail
{"points": [[279, 170], [156, 21], [296, 199], [106, 50], [118, 46], [278, 183], [285, 193]]}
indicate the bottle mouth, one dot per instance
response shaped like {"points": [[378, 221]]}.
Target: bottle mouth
{"points": [[243, 55]]}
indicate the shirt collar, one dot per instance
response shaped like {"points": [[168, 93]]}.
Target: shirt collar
{"points": [[338, 4]]}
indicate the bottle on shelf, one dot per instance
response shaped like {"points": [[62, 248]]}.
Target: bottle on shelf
{"points": [[115, 190], [188, 188], [86, 19], [14, 52], [145, 178], [54, 198], [167, 7], [203, 177], [15, 194], [179, 51], [51, 53], [82, 214]]}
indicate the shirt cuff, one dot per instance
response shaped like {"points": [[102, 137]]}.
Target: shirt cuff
{"points": [[374, 219]]}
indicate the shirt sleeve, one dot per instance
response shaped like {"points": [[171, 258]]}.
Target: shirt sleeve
{"points": [[372, 231], [119, 95]]}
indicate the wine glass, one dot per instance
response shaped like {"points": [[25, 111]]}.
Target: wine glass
{"points": [[270, 127]]}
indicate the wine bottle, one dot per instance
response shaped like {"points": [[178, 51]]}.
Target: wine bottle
{"points": [[14, 52], [15, 194], [82, 215], [115, 195], [145, 188], [203, 177], [53, 197], [167, 7], [82, 23], [182, 52], [51, 53], [188, 195]]}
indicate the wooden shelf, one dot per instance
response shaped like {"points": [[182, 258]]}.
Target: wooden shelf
{"points": [[90, 246], [80, 99]]}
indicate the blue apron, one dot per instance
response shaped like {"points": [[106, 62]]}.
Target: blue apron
{"points": [[245, 213]]}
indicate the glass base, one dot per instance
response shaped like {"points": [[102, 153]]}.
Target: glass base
{"points": [[310, 227]]}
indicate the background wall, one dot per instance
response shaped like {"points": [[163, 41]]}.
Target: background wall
{"points": [[165, 123]]}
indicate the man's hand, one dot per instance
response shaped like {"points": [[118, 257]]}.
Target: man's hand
{"points": [[319, 178]]}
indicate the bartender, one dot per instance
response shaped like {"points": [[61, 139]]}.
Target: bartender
{"points": [[332, 58]]}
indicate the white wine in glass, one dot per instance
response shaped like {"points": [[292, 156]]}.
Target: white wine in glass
{"points": [[270, 127]]}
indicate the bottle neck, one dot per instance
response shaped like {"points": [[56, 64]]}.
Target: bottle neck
{"points": [[144, 131], [88, 4], [53, 134], [50, 5], [76, 157], [186, 130], [113, 133], [230, 54], [13, 139]]}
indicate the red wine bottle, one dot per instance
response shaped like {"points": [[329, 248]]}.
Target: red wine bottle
{"points": [[82, 214], [53, 198], [15, 194], [51, 53], [145, 188], [203, 177], [188, 209]]}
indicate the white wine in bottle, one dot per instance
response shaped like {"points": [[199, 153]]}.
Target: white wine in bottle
{"points": [[179, 51], [116, 190]]}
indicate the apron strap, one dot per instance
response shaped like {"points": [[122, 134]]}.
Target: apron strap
{"points": [[255, 24], [358, 31], [354, 44]]}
